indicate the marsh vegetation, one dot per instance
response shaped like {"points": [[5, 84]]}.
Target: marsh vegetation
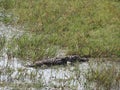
{"points": [[32, 30], [85, 27]]}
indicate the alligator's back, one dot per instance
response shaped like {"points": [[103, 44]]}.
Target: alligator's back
{"points": [[59, 61]]}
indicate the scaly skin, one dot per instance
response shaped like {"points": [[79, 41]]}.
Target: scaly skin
{"points": [[58, 61]]}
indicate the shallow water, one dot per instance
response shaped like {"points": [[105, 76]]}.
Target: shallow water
{"points": [[14, 71], [14, 75], [8, 31]]}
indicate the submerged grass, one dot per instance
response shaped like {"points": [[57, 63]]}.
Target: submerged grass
{"points": [[103, 78], [85, 76], [84, 27]]}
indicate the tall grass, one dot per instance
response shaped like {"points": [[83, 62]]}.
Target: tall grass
{"points": [[2, 42], [84, 27]]}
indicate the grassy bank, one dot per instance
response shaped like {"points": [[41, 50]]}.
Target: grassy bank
{"points": [[84, 27]]}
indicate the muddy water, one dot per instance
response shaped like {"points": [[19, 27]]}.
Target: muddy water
{"points": [[15, 76]]}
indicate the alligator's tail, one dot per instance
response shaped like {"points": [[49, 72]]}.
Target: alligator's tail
{"points": [[32, 65]]}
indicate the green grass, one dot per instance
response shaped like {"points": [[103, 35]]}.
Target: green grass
{"points": [[2, 42], [33, 47], [84, 27]]}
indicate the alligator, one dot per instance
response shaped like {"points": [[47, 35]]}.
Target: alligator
{"points": [[59, 61]]}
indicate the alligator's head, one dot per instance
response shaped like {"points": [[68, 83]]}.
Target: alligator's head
{"points": [[83, 59]]}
